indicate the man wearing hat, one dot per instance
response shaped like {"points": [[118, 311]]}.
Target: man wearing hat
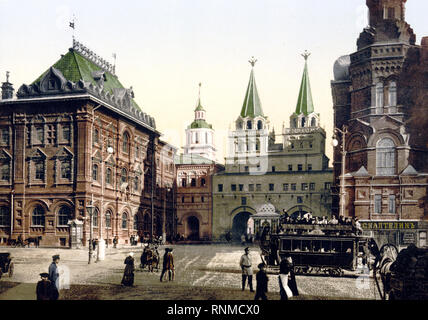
{"points": [[262, 283], [54, 276], [247, 271], [44, 288]]}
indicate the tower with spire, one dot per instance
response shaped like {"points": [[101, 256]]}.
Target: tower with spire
{"points": [[200, 134], [250, 137]]}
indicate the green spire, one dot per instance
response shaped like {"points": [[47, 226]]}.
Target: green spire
{"points": [[252, 106], [199, 105], [305, 104]]}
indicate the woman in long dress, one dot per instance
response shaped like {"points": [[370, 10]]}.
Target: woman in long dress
{"points": [[128, 274]]}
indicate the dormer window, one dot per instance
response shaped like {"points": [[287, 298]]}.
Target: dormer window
{"points": [[249, 125], [260, 125], [303, 122]]}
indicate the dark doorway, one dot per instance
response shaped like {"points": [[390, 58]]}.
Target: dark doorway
{"points": [[239, 226], [192, 228]]}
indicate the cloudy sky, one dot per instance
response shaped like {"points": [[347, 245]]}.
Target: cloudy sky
{"points": [[166, 47]]}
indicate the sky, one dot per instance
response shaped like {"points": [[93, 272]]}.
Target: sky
{"points": [[165, 48]]}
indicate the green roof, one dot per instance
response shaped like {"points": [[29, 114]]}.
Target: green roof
{"points": [[199, 106], [197, 124], [252, 106], [305, 104], [75, 67]]}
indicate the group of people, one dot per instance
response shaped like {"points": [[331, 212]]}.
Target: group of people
{"points": [[48, 287], [286, 278], [167, 265]]}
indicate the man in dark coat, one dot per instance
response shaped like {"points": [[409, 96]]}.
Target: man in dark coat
{"points": [[54, 276], [128, 274], [44, 288], [168, 265], [262, 283], [288, 261]]}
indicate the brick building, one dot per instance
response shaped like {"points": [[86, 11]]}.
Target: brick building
{"points": [[380, 106], [76, 137]]}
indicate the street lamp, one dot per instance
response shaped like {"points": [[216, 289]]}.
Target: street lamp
{"points": [[90, 209], [343, 133]]}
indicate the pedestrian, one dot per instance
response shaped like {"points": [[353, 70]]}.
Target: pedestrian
{"points": [[44, 288], [115, 240], [262, 283], [287, 279], [128, 274], [247, 271], [243, 239], [54, 276], [136, 239], [168, 265]]}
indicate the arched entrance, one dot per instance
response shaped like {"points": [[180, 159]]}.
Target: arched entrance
{"points": [[240, 224], [192, 229]]}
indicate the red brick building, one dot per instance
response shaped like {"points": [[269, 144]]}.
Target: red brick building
{"points": [[73, 137], [380, 99]]}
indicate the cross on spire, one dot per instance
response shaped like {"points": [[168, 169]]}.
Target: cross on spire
{"points": [[7, 76], [252, 61], [306, 55]]}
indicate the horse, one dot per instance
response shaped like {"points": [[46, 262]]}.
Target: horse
{"points": [[35, 240]]}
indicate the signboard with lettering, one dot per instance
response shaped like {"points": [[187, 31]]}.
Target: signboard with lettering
{"points": [[409, 237], [389, 225]]}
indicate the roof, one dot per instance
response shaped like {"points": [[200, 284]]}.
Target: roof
{"points": [[199, 106], [252, 106], [191, 159], [75, 67], [305, 104]]}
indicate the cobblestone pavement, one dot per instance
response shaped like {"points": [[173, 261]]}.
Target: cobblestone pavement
{"points": [[199, 268]]}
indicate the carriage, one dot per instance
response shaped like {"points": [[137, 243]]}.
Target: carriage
{"points": [[6, 264], [319, 252]]}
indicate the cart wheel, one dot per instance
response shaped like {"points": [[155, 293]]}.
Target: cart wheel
{"points": [[11, 267]]}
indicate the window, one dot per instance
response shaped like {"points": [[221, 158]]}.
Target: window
{"points": [[243, 201], [285, 187], [124, 221], [125, 143], [247, 168], [391, 204], [304, 186], [38, 217], [193, 182], [220, 188], [379, 95], [182, 199], [203, 182], [135, 222], [108, 219], [5, 171], [293, 187], [64, 214], [259, 125], [66, 169], [303, 122], [290, 167], [378, 203], [392, 94], [385, 157], [391, 13], [40, 170], [312, 186], [202, 199], [258, 187], [309, 167], [249, 125], [66, 133], [327, 185], [313, 122], [183, 182], [108, 176], [193, 199], [299, 167], [96, 136], [4, 216], [251, 187], [124, 176], [95, 172], [273, 169], [271, 187], [5, 136], [241, 187], [299, 200], [39, 134], [233, 187], [136, 183], [95, 216]]}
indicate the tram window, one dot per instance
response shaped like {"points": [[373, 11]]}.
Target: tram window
{"points": [[335, 246], [297, 245], [306, 245], [347, 247], [286, 245], [317, 245], [326, 246]]}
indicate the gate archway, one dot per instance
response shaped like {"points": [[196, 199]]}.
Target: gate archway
{"points": [[192, 228], [240, 224]]}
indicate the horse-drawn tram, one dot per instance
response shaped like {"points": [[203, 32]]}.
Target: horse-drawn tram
{"points": [[315, 251]]}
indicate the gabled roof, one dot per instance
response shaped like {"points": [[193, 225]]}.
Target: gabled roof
{"points": [[409, 171], [305, 104], [252, 106]]}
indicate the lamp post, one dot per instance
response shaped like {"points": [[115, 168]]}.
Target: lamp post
{"points": [[90, 209], [343, 133]]}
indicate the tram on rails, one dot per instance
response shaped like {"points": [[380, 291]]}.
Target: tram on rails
{"points": [[317, 250]]}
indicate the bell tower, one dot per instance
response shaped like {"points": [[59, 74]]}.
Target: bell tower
{"points": [[380, 10]]}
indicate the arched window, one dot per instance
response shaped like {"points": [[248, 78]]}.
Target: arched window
{"points": [[124, 176], [95, 217], [4, 216], [136, 183], [124, 221], [108, 219], [96, 136], [95, 172], [66, 169], [39, 134], [108, 175], [64, 214], [260, 125], [313, 122], [385, 157], [379, 95], [294, 123], [303, 122], [239, 125], [5, 171], [203, 182], [392, 94], [193, 182], [38, 217], [249, 124], [125, 143], [136, 222]]}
